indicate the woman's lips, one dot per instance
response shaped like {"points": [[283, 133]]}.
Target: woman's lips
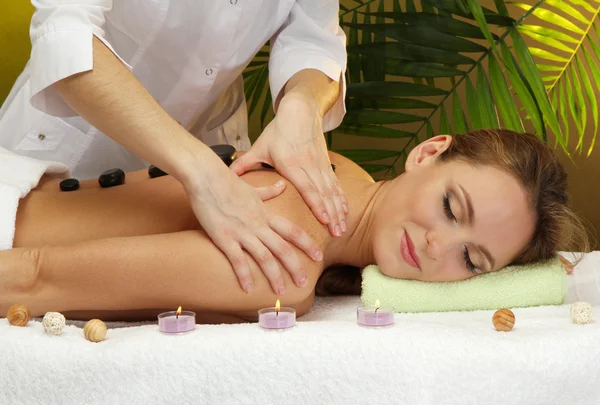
{"points": [[408, 251]]}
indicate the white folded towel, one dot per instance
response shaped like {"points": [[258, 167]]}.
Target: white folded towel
{"points": [[18, 175], [426, 359]]}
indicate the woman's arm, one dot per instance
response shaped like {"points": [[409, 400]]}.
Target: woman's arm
{"points": [[86, 263], [133, 273]]}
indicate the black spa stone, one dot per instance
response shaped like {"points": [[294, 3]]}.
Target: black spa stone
{"points": [[69, 185], [227, 153], [268, 166], [155, 172], [111, 178]]}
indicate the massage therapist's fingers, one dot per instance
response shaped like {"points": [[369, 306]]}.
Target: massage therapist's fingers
{"points": [[567, 263], [296, 235], [309, 193], [232, 213], [238, 261], [284, 252], [268, 192], [334, 190], [325, 190], [267, 262]]}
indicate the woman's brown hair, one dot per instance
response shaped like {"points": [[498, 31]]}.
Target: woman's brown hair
{"points": [[540, 173]]}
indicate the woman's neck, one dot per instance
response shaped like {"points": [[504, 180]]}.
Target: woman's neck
{"points": [[354, 247]]}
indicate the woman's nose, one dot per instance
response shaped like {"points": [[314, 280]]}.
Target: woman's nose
{"points": [[436, 244]]}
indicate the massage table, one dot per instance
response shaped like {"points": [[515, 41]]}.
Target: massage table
{"points": [[429, 358]]}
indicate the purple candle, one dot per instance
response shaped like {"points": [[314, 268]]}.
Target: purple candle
{"points": [[277, 317], [177, 321], [375, 315]]}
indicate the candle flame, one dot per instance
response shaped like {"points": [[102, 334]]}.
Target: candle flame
{"points": [[178, 311], [277, 306], [377, 304]]}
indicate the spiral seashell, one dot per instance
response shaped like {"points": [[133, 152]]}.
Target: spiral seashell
{"points": [[18, 315], [503, 320], [95, 330]]}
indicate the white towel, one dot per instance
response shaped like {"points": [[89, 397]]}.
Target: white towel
{"points": [[426, 359], [18, 175]]}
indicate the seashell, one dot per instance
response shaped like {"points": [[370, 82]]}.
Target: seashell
{"points": [[503, 320], [95, 330], [18, 315], [53, 322]]}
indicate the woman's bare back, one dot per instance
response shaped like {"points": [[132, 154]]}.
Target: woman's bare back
{"points": [[91, 217]]}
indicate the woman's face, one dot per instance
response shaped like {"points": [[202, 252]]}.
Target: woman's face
{"points": [[449, 221]]}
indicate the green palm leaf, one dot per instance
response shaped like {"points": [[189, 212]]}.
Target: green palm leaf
{"points": [[460, 122], [596, 75], [445, 127], [375, 131], [408, 52], [566, 77], [387, 103], [391, 89], [380, 117], [473, 106], [506, 107], [442, 23], [487, 108], [367, 155], [417, 69], [424, 36], [552, 17], [409, 65]]}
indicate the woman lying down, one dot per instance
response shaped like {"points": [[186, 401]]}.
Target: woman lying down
{"points": [[465, 206]]}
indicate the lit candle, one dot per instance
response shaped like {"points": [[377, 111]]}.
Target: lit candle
{"points": [[375, 315], [177, 321], [277, 317]]}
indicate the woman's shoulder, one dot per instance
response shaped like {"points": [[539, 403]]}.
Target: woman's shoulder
{"points": [[348, 167], [291, 204]]}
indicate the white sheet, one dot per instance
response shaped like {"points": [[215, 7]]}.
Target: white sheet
{"points": [[435, 358]]}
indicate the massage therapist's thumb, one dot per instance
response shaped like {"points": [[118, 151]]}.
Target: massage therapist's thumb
{"points": [[244, 163], [267, 192]]}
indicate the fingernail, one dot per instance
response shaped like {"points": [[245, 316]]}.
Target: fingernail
{"points": [[337, 230], [346, 208], [344, 227], [318, 255], [281, 290], [303, 281], [325, 217], [280, 183], [248, 288]]}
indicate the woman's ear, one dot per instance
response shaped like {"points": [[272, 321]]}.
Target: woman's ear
{"points": [[426, 152]]}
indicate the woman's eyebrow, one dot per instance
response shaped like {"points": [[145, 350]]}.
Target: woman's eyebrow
{"points": [[470, 212], [471, 221], [487, 255]]}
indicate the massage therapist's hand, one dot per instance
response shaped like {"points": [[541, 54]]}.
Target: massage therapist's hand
{"points": [[293, 143], [569, 267], [236, 219]]}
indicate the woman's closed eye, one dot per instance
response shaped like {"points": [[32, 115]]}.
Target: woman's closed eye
{"points": [[450, 215], [448, 209], [468, 261]]}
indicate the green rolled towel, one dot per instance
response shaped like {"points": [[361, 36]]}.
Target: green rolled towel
{"points": [[512, 287]]}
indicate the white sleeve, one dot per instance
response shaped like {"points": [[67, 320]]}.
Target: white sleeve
{"points": [[18, 175], [61, 37], [311, 38]]}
